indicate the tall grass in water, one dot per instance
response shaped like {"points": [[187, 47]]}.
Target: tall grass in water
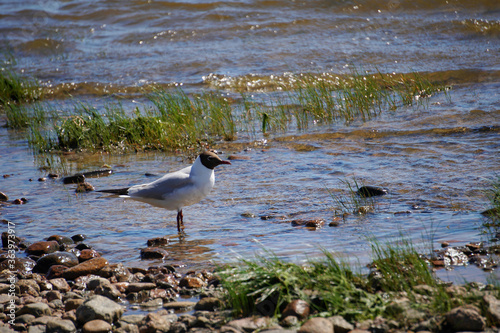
{"points": [[350, 202], [16, 89]]}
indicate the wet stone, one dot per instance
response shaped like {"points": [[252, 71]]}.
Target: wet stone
{"points": [[56, 271], [75, 179], [179, 305], [91, 266], [56, 258], [84, 187], [58, 325], [9, 239], [21, 265], [3, 197], [41, 248], [371, 191], [153, 253], [61, 240], [78, 238], [158, 241], [191, 282], [87, 254]]}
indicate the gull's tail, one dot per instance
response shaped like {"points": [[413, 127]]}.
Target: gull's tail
{"points": [[119, 191]]}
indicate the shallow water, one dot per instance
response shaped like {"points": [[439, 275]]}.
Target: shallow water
{"points": [[439, 156]]}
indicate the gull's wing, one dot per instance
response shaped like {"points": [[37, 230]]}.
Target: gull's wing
{"points": [[163, 187]]}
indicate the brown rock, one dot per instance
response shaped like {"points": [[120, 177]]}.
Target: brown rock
{"points": [[191, 282], [153, 253], [21, 265], [9, 239], [179, 305], [316, 325], [250, 324], [87, 254], [318, 223], [158, 241], [56, 271], [140, 286], [73, 304], [154, 323], [465, 318], [92, 266], [97, 326], [40, 248], [297, 308], [3, 197], [60, 284], [208, 304], [340, 325], [84, 187], [61, 239]]}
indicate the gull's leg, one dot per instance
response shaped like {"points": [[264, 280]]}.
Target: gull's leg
{"points": [[180, 220]]}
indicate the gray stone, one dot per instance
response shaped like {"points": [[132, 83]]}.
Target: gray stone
{"points": [[127, 328], [465, 318], [317, 325], [99, 307], [36, 329], [25, 318], [35, 309], [96, 282], [493, 308], [132, 319], [340, 325], [249, 324], [60, 326], [42, 320]]}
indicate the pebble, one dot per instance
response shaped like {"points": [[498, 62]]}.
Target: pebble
{"points": [[97, 326]]}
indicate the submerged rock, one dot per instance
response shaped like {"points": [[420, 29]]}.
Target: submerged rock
{"points": [[84, 187], [371, 191], [3, 197], [153, 253]]}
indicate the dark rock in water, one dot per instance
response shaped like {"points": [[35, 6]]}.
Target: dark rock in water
{"points": [[158, 241], [3, 197], [308, 223], [75, 179], [78, 238], [297, 308], [21, 265], [9, 239], [53, 175], [61, 239], [371, 191], [92, 266], [149, 174], [153, 253], [84, 187], [41, 248], [56, 258], [98, 173], [191, 282], [82, 246]]}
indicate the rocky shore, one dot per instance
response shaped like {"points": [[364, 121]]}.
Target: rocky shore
{"points": [[62, 285]]}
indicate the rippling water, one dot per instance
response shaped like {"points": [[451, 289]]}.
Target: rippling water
{"points": [[439, 157]]}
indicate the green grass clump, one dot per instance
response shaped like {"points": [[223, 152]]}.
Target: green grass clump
{"points": [[350, 202], [22, 116], [265, 286], [16, 89]]}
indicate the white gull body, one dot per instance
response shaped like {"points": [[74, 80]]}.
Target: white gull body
{"points": [[177, 189]]}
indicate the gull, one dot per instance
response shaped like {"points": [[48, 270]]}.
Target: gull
{"points": [[178, 189]]}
